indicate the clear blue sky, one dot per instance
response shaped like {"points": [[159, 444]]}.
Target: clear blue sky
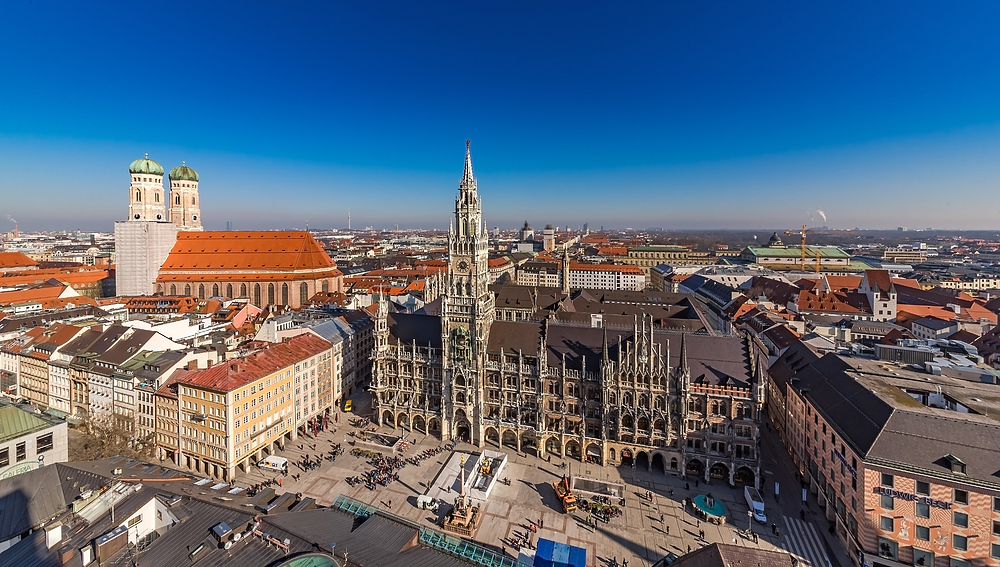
{"points": [[673, 114]]}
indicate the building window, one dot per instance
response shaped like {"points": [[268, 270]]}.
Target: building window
{"points": [[887, 480], [995, 551], [43, 443], [921, 557], [885, 523], [960, 519], [923, 510], [996, 528], [961, 496], [960, 542], [886, 502], [996, 503], [923, 488], [923, 533], [135, 520], [4, 457], [21, 452]]}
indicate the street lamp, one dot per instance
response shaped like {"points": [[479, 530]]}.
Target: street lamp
{"points": [[749, 520]]}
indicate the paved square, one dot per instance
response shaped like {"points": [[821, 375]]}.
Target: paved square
{"points": [[637, 535]]}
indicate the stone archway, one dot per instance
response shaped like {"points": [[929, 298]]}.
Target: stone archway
{"points": [[529, 443], [492, 437], [626, 458], [463, 430], [642, 460], [594, 453], [509, 439], [420, 424], [403, 421], [745, 476], [695, 467], [657, 463], [719, 471], [573, 449], [673, 463], [552, 446], [434, 426], [387, 419]]}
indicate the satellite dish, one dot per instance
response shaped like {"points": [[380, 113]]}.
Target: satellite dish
{"points": [[237, 536], [228, 544]]}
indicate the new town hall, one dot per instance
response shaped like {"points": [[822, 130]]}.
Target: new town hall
{"points": [[617, 390]]}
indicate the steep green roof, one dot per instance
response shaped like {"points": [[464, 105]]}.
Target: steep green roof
{"points": [[145, 165], [183, 173]]}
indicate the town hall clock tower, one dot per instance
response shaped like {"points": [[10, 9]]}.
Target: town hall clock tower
{"points": [[467, 312]]}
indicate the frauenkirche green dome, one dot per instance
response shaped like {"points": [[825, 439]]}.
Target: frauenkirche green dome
{"points": [[145, 165], [183, 173]]}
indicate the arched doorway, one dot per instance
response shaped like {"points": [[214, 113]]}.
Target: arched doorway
{"points": [[626, 458], [462, 430], [434, 426], [573, 449], [673, 463], [720, 471], [744, 476], [642, 460], [420, 424], [593, 453], [510, 439], [658, 463], [403, 421], [492, 436], [695, 467], [387, 419], [529, 443], [552, 447]]}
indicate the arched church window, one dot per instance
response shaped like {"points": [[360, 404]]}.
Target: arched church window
{"points": [[173, 289], [215, 290], [187, 289], [303, 293], [229, 291], [138, 196], [177, 200], [256, 295], [270, 294], [201, 291], [156, 197], [243, 290], [194, 200], [326, 286], [284, 294]]}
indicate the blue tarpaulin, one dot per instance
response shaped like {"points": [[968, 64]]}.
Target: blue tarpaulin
{"points": [[554, 554]]}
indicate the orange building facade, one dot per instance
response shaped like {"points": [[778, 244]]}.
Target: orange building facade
{"points": [[266, 267]]}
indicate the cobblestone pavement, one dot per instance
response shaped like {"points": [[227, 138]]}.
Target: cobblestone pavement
{"points": [[637, 535]]}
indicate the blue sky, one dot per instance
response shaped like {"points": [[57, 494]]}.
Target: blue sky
{"points": [[669, 114]]}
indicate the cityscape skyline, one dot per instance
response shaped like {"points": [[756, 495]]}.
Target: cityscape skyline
{"points": [[687, 117]]}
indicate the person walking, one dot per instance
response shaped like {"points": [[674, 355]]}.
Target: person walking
{"points": [[661, 518], [666, 530]]}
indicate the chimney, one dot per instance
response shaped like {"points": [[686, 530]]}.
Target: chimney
{"points": [[53, 535], [210, 363], [192, 364], [66, 554]]}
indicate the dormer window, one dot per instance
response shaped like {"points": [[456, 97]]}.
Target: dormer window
{"points": [[957, 466]]}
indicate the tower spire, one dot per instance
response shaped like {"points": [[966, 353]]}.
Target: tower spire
{"points": [[468, 181]]}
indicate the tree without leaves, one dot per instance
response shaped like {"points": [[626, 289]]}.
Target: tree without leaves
{"points": [[103, 437]]}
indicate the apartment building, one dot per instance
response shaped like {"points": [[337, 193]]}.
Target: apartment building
{"points": [[222, 419], [903, 463]]}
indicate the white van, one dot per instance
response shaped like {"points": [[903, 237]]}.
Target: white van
{"points": [[756, 503], [274, 463]]}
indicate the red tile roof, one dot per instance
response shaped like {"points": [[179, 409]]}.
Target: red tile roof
{"points": [[10, 260], [236, 373], [266, 255]]}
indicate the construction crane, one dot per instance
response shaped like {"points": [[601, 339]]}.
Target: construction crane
{"points": [[802, 261]]}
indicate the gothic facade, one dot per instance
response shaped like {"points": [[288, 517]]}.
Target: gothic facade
{"points": [[616, 394]]}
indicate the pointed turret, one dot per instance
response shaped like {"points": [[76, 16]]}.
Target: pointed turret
{"points": [[468, 180]]}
